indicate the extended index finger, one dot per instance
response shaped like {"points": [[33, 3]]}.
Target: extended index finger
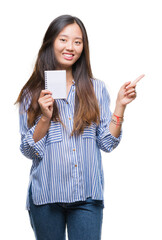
{"points": [[137, 80], [133, 84]]}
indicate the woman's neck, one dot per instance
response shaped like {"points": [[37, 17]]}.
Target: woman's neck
{"points": [[69, 76]]}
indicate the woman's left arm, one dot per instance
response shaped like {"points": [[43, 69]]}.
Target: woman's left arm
{"points": [[126, 95]]}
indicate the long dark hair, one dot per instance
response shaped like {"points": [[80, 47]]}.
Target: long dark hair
{"points": [[86, 105]]}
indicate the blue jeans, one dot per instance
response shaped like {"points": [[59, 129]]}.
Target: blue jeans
{"points": [[83, 220]]}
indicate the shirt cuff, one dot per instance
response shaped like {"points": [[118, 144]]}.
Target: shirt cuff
{"points": [[113, 138], [38, 147]]}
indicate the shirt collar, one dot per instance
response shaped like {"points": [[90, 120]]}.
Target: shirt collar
{"points": [[73, 81]]}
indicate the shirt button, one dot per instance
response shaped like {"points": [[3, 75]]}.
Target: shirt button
{"points": [[69, 118], [37, 154], [75, 165], [74, 149], [73, 90]]}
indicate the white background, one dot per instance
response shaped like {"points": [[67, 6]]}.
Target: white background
{"points": [[125, 41]]}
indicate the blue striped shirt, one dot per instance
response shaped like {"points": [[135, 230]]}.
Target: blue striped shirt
{"points": [[68, 168]]}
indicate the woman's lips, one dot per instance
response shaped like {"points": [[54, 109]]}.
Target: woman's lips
{"points": [[68, 56]]}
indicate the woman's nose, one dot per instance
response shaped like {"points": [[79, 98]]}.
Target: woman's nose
{"points": [[69, 45]]}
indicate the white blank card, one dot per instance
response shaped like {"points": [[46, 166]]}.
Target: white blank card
{"points": [[55, 81]]}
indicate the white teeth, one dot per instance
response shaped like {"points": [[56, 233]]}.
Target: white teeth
{"points": [[68, 55]]}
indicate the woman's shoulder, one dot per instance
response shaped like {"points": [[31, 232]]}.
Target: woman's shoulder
{"points": [[98, 85], [97, 82], [100, 90], [25, 101]]}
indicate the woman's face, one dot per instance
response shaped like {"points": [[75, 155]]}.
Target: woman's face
{"points": [[68, 46]]}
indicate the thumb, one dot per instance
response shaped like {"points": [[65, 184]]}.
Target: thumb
{"points": [[126, 84]]}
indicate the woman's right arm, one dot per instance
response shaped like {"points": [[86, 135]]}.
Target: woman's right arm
{"points": [[46, 104], [33, 140]]}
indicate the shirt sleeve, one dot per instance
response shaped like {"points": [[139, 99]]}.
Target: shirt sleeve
{"points": [[28, 147], [105, 140]]}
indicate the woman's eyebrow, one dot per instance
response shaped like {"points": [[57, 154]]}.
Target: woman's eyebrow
{"points": [[64, 35]]}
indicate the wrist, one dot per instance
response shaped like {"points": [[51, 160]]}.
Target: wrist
{"points": [[119, 109], [45, 119]]}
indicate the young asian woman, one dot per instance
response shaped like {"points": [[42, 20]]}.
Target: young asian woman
{"points": [[64, 137]]}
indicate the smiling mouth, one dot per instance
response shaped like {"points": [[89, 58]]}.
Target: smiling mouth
{"points": [[68, 56]]}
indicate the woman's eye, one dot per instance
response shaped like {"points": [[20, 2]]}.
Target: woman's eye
{"points": [[62, 39], [78, 42]]}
